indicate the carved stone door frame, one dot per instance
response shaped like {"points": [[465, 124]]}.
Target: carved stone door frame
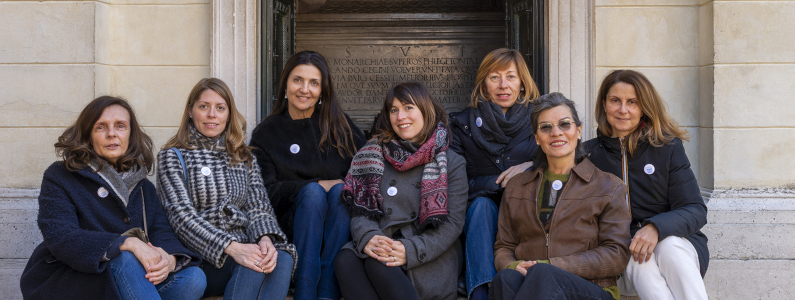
{"points": [[236, 50]]}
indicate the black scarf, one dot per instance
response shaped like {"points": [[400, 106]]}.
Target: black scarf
{"points": [[496, 131]]}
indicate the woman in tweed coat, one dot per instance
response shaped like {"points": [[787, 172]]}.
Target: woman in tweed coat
{"points": [[222, 208]]}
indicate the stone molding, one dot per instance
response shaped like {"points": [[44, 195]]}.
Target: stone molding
{"points": [[570, 42], [236, 52]]}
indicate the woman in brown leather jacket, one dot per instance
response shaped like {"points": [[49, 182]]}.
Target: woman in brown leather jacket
{"points": [[563, 225]]}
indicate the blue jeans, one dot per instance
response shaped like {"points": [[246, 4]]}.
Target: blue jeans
{"points": [[128, 273], [322, 227], [544, 281], [481, 230], [239, 282]]}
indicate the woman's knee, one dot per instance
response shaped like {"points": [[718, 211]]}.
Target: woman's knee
{"points": [[125, 260], [482, 207], [284, 261], [193, 279], [673, 251], [344, 261], [312, 195]]}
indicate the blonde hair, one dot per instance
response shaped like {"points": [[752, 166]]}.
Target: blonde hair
{"points": [[499, 60], [655, 126], [235, 126]]}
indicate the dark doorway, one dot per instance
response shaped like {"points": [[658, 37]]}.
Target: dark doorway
{"points": [[371, 45]]}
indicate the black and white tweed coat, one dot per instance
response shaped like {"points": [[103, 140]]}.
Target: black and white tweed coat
{"points": [[228, 203]]}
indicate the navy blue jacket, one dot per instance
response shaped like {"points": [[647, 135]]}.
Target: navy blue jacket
{"points": [[482, 167], [79, 227], [669, 197]]}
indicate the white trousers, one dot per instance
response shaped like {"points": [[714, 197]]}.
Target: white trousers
{"points": [[673, 272]]}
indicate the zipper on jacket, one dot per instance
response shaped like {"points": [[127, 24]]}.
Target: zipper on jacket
{"points": [[625, 170], [546, 234]]}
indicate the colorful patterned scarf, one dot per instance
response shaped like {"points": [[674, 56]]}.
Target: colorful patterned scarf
{"points": [[362, 184]]}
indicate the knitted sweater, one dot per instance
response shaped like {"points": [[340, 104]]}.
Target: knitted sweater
{"points": [[220, 204], [286, 172]]}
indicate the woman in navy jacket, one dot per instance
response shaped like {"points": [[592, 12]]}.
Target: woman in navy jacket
{"points": [[91, 203], [638, 142], [495, 137]]}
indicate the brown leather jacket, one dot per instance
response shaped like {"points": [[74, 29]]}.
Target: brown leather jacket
{"points": [[589, 230]]}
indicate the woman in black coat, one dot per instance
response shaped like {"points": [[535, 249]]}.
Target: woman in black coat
{"points": [[105, 234], [304, 148], [638, 142], [495, 137]]}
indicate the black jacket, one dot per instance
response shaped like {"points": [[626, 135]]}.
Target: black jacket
{"points": [[666, 195], [80, 228], [285, 173], [482, 167]]}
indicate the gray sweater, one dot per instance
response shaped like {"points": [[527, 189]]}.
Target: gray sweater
{"points": [[220, 204], [433, 256]]}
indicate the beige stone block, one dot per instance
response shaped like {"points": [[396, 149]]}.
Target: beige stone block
{"points": [[161, 34], [706, 36], [748, 31], [166, 2], [47, 32], [706, 157], [751, 217], [706, 96], [26, 153], [750, 241], [158, 94], [44, 95], [645, 2], [750, 279], [678, 88], [754, 158], [646, 36], [754, 95], [10, 272], [103, 32], [692, 149], [102, 76]]}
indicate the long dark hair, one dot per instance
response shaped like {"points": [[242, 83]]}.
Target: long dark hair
{"points": [[334, 127], [235, 125], [656, 126], [416, 94], [546, 102], [74, 144]]}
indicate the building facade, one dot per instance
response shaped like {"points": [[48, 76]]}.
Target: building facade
{"points": [[724, 68]]}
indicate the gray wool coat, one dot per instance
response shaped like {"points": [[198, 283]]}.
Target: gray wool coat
{"points": [[434, 257]]}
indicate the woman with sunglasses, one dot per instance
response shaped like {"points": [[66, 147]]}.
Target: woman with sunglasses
{"points": [[407, 194], [562, 225], [495, 137], [638, 142]]}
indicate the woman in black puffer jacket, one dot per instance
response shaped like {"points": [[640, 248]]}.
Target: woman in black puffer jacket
{"points": [[638, 142]]}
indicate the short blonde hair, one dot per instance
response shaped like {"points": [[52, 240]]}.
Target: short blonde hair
{"points": [[499, 60]]}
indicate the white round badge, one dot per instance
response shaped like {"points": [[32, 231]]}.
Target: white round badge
{"points": [[391, 191], [102, 192], [479, 122], [294, 148], [206, 171], [649, 169], [557, 185]]}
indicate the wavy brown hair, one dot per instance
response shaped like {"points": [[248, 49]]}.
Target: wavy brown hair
{"points": [[74, 144], [334, 128], [500, 60], [235, 126], [656, 126], [416, 94]]}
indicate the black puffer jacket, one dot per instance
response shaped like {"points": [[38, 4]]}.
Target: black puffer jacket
{"points": [[482, 167], [662, 188]]}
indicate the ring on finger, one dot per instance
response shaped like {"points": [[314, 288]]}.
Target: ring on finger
{"points": [[394, 258]]}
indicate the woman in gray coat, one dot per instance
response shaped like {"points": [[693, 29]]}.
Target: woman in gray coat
{"points": [[407, 195]]}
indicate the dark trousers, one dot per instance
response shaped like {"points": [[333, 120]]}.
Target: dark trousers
{"points": [[370, 279], [544, 281]]}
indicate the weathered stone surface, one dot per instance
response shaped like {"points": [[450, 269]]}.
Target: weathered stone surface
{"points": [[160, 34], [645, 2], [750, 241], [26, 153], [754, 31], [750, 279], [44, 95], [10, 272], [47, 32], [754, 157], [646, 36], [754, 96], [158, 94], [706, 36]]}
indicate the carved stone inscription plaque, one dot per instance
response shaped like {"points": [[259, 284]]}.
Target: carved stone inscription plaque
{"points": [[364, 66]]}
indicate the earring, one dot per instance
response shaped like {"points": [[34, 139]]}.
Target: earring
{"points": [[522, 89], [319, 101]]}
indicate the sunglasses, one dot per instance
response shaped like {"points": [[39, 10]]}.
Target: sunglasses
{"points": [[546, 127]]}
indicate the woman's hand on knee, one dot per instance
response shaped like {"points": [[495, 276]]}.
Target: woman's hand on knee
{"points": [[145, 254], [396, 253], [328, 184], [643, 243], [247, 255], [159, 272], [523, 266], [269, 254], [374, 248]]}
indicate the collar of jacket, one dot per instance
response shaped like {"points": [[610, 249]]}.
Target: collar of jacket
{"points": [[87, 172], [613, 145], [584, 170]]}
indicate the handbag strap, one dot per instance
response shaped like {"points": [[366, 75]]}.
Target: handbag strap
{"points": [[143, 203], [182, 163]]}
